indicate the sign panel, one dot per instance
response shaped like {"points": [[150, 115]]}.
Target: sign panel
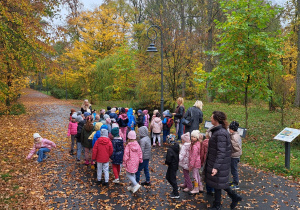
{"points": [[287, 134]]}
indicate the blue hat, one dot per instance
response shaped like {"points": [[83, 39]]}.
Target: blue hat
{"points": [[86, 114], [104, 127], [140, 111]]}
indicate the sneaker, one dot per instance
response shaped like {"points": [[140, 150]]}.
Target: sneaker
{"points": [[93, 163], [129, 188], [154, 145], [186, 189], [146, 184], [99, 182], [116, 181], [136, 188], [182, 185], [159, 144], [87, 162], [174, 196], [77, 159], [71, 152], [235, 187], [105, 184]]}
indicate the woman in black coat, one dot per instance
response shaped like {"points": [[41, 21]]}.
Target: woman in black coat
{"points": [[218, 160], [194, 114]]}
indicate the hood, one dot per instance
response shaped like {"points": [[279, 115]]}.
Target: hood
{"points": [[103, 140], [205, 143], [157, 119], [88, 127], [106, 116], [145, 112], [98, 126], [143, 131], [134, 146], [130, 112], [123, 116], [175, 148], [97, 135]]}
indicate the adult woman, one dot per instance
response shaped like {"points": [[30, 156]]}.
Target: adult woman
{"points": [[86, 107], [194, 114], [178, 115], [217, 165]]}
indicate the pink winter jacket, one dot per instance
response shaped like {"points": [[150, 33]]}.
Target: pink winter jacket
{"points": [[195, 161], [184, 155], [72, 129], [147, 118], [44, 143], [133, 156], [156, 125]]}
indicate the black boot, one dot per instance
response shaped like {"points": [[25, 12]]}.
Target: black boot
{"points": [[216, 206], [236, 198]]}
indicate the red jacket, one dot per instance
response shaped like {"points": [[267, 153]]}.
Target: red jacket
{"points": [[102, 150]]}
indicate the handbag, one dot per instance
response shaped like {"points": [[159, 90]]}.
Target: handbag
{"points": [[188, 120]]}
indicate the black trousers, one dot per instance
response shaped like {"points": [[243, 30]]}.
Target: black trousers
{"points": [[218, 193], [171, 177]]}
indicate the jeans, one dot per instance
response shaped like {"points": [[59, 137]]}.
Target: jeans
{"points": [[131, 177], [42, 154], [165, 134], [144, 165], [171, 177], [105, 167], [79, 150], [209, 189], [218, 194], [180, 130], [234, 170], [72, 142]]}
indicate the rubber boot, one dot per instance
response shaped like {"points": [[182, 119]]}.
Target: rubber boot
{"points": [[236, 198], [196, 189]]}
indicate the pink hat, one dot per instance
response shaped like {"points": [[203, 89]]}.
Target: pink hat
{"points": [[108, 120], [186, 137], [131, 135]]}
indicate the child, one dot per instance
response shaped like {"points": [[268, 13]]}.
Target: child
{"points": [[97, 127], [141, 119], [145, 143], [113, 113], [123, 121], [102, 112], [131, 120], [102, 150], [156, 127], [147, 118], [184, 159], [172, 160], [118, 153], [73, 111], [236, 152], [43, 145], [132, 157], [87, 130], [72, 130], [81, 123], [195, 160], [167, 124], [204, 148]]}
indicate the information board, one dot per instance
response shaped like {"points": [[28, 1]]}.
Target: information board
{"points": [[287, 134]]}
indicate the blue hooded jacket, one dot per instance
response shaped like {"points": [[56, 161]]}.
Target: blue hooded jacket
{"points": [[98, 135], [131, 119]]}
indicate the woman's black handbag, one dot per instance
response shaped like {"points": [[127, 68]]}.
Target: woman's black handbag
{"points": [[188, 120]]}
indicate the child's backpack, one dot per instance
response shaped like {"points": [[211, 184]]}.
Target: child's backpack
{"points": [[170, 122]]}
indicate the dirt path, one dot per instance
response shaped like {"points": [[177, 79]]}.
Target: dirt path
{"points": [[72, 185]]}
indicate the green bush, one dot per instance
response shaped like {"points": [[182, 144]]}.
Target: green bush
{"points": [[17, 109], [58, 93]]}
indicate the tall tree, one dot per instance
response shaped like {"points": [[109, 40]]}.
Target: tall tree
{"points": [[297, 95], [247, 51]]}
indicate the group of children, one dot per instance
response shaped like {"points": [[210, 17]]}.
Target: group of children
{"points": [[110, 137]]}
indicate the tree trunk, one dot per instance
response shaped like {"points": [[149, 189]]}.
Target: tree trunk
{"points": [[208, 61], [297, 95], [246, 100], [182, 17]]}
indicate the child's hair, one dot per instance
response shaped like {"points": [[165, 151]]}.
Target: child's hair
{"points": [[207, 135], [234, 125], [157, 114]]}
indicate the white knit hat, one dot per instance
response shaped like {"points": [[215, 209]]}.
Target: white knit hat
{"points": [[36, 135], [197, 134]]}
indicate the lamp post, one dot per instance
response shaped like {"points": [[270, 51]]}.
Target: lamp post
{"points": [[153, 49]]}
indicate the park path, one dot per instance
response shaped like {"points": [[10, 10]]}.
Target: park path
{"points": [[72, 185]]}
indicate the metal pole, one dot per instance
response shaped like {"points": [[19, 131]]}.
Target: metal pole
{"points": [[162, 77], [287, 154], [66, 86]]}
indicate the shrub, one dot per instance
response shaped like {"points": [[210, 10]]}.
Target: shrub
{"points": [[58, 93], [17, 109]]}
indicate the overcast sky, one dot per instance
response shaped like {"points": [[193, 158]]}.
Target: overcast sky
{"points": [[91, 4]]}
